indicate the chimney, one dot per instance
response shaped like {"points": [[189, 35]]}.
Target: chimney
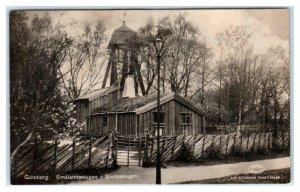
{"points": [[129, 90]]}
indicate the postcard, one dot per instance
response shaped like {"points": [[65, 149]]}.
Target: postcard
{"points": [[150, 96]]}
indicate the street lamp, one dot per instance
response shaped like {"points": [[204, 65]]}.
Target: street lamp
{"points": [[158, 44]]}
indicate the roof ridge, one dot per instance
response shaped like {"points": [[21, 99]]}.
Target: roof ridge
{"points": [[168, 97], [124, 27], [90, 95]]}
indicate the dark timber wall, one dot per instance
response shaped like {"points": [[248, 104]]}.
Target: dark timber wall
{"points": [[85, 108], [173, 121], [129, 123], [126, 123]]}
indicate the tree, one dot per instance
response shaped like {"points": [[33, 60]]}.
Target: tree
{"points": [[84, 62], [202, 74], [274, 105], [144, 58], [185, 58], [242, 73], [145, 64], [36, 55], [253, 88]]}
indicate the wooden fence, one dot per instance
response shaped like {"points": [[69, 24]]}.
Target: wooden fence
{"points": [[108, 151], [129, 150], [200, 147], [60, 156], [171, 148]]}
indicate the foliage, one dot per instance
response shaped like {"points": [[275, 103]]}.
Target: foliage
{"points": [[62, 122], [84, 62], [185, 57], [252, 88], [239, 86], [37, 51]]}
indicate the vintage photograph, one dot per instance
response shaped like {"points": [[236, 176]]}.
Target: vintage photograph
{"points": [[150, 96]]}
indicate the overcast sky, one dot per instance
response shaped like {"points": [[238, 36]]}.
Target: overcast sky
{"points": [[269, 26]]}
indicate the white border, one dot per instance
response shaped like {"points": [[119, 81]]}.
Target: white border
{"points": [[76, 4]]}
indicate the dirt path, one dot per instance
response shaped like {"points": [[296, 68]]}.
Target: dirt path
{"points": [[139, 175]]}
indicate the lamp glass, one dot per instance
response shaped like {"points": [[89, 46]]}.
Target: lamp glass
{"points": [[158, 44]]}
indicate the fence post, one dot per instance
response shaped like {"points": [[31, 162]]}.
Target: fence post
{"points": [[110, 137], [253, 147], [73, 155], [173, 148], [234, 141], [220, 140], [241, 143], [248, 142], [128, 150], [265, 139], [226, 152], [115, 142], [258, 145], [140, 151], [152, 150], [202, 152], [194, 143], [213, 142], [162, 149], [220, 145], [90, 153], [146, 149], [269, 142], [55, 157]]}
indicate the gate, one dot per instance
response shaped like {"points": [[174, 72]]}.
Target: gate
{"points": [[130, 150]]}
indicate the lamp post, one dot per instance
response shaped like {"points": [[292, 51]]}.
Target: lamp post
{"points": [[158, 44]]}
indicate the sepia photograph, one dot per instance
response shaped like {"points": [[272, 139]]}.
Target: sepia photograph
{"points": [[149, 96]]}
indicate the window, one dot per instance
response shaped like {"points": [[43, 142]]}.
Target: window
{"points": [[159, 117], [186, 118]]}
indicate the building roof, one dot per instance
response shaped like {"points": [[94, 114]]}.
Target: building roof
{"points": [[120, 36], [143, 104], [92, 95], [126, 104], [169, 97], [98, 93]]}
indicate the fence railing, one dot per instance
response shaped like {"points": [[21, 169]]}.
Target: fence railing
{"points": [[200, 147], [101, 152], [59, 157], [170, 147]]}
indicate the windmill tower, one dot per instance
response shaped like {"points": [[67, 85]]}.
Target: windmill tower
{"points": [[122, 64]]}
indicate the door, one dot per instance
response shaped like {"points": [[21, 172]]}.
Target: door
{"points": [[130, 150]]}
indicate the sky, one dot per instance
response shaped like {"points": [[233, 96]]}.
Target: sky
{"points": [[270, 27]]}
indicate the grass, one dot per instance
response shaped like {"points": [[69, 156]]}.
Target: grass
{"points": [[279, 176]]}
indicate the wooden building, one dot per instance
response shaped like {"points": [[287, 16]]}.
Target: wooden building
{"points": [[86, 103], [119, 107], [133, 116]]}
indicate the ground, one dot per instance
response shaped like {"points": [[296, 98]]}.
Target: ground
{"points": [[172, 174]]}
